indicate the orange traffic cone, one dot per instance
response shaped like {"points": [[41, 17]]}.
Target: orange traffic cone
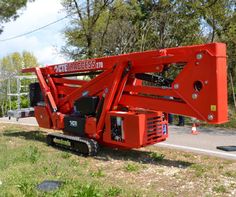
{"points": [[194, 129]]}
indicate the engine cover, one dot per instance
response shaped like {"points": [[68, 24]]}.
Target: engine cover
{"points": [[135, 129]]}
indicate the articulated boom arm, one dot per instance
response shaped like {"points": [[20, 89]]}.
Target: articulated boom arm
{"points": [[138, 87]]}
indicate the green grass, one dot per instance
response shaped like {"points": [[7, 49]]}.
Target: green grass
{"points": [[98, 173], [113, 191], [65, 155], [157, 156], [231, 174], [88, 190], [199, 169], [219, 189], [32, 154], [131, 167], [26, 161]]}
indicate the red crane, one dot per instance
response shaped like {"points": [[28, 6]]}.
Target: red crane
{"points": [[126, 101]]}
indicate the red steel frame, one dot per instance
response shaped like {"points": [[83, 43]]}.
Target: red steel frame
{"points": [[205, 64]]}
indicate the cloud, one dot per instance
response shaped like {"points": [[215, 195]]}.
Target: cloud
{"points": [[42, 43], [50, 55], [36, 14]]}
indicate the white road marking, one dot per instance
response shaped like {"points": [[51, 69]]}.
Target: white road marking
{"points": [[197, 149], [19, 123]]}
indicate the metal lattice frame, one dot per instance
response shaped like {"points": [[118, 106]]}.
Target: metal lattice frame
{"points": [[19, 88]]}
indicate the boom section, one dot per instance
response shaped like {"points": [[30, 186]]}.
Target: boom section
{"points": [[189, 80]]}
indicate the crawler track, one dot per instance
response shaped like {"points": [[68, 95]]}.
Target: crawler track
{"points": [[84, 146]]}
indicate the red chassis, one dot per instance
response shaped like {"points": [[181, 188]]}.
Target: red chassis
{"points": [[129, 99]]}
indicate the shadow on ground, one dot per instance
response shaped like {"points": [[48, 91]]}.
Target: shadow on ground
{"points": [[29, 135], [140, 156], [106, 153]]}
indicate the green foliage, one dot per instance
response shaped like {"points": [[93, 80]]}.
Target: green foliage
{"points": [[231, 174], [98, 173], [13, 63], [24, 102], [31, 154], [65, 155], [126, 26], [11, 66], [157, 156], [220, 20], [26, 188], [87, 191], [219, 189], [113, 191], [117, 27], [199, 169], [8, 10], [131, 167]]}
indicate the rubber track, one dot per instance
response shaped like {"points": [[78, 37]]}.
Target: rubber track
{"points": [[92, 145]]}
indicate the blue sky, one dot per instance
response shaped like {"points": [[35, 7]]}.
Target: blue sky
{"points": [[44, 44]]}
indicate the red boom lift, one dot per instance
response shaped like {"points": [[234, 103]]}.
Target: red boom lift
{"points": [[126, 102]]}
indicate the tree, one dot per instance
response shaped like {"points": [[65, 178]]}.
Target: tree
{"points": [[219, 17], [117, 27], [8, 10], [82, 32], [167, 24], [11, 66], [13, 63], [138, 25]]}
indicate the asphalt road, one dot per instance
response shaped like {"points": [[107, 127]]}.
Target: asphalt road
{"points": [[204, 143], [23, 121], [181, 138]]}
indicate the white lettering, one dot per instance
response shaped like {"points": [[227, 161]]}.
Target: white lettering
{"points": [[61, 68], [83, 65], [73, 123]]}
